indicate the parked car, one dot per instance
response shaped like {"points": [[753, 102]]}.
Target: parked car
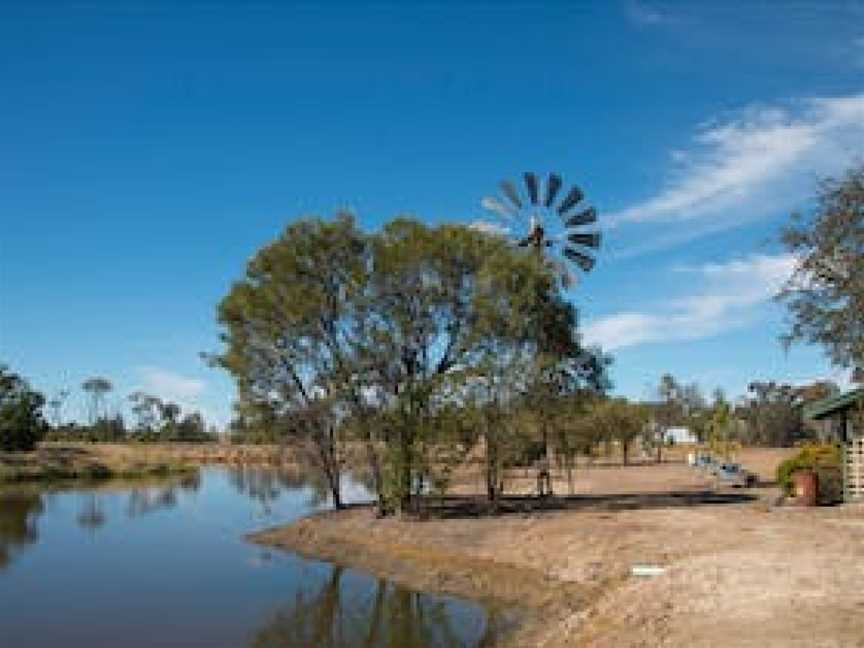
{"points": [[705, 462], [732, 474]]}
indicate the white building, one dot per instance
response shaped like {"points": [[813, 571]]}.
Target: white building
{"points": [[678, 435]]}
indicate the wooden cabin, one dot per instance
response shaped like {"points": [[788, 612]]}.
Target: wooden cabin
{"points": [[845, 417]]}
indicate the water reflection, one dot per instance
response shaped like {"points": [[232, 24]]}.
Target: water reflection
{"points": [[156, 551], [265, 484], [388, 617], [18, 514], [147, 499], [91, 516]]}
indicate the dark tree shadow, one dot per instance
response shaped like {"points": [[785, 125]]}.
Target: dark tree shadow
{"points": [[456, 506], [18, 515]]}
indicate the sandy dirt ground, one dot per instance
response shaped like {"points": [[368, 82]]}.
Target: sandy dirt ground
{"points": [[739, 569]]}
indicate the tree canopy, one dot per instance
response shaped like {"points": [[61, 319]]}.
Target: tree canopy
{"points": [[21, 422], [390, 330], [825, 294]]}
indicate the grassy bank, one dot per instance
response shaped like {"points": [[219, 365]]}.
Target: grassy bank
{"points": [[738, 570], [53, 462]]}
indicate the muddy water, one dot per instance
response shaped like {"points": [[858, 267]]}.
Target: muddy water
{"points": [[164, 563]]}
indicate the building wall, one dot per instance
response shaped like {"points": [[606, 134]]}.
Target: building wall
{"points": [[680, 435]]}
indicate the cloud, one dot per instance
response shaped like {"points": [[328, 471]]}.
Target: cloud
{"points": [[168, 385], [488, 227], [762, 160], [731, 293]]}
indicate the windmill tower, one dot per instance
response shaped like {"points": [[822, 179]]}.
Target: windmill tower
{"points": [[556, 231]]}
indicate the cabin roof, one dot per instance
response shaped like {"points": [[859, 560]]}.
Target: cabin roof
{"points": [[827, 407]]}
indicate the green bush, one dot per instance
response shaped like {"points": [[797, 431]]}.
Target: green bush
{"points": [[823, 459], [21, 423]]}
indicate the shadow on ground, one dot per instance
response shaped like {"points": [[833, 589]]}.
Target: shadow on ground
{"points": [[455, 506]]}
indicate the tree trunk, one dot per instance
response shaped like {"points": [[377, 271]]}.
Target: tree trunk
{"points": [[625, 450], [377, 479], [336, 492], [405, 473], [491, 465], [333, 469]]}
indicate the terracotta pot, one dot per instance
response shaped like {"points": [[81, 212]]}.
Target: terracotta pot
{"points": [[806, 483]]}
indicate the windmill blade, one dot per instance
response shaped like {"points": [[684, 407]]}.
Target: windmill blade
{"points": [[572, 198], [585, 217], [493, 204], [591, 240], [531, 183], [509, 190], [552, 187], [582, 260], [568, 278]]}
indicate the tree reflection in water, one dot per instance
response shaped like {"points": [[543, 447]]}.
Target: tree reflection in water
{"points": [[145, 500], [18, 514], [91, 516], [264, 484], [393, 617]]}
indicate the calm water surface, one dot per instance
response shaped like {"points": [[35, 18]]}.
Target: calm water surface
{"points": [[165, 564]]}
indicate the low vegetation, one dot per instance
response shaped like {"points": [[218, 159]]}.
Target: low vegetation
{"points": [[72, 461], [825, 460]]}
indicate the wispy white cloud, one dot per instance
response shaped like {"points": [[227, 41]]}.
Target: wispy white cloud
{"points": [[169, 385], [165, 383], [729, 297], [839, 376], [762, 160], [488, 227]]}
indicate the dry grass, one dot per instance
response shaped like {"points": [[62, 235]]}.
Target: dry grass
{"points": [[85, 461]]}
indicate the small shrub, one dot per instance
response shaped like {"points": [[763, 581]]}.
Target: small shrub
{"points": [[823, 459]]}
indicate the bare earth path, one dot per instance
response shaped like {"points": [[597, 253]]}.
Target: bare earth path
{"points": [[739, 573]]}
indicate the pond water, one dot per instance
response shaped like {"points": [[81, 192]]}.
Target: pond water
{"points": [[164, 563]]}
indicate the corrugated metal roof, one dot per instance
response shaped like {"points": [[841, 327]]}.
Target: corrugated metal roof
{"points": [[828, 406]]}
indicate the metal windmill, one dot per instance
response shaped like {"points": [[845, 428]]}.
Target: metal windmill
{"points": [[553, 229], [557, 232]]}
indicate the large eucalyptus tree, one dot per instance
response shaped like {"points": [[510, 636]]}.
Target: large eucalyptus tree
{"points": [[287, 331], [825, 294], [385, 331]]}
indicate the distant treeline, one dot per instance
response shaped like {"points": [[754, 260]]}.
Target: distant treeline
{"points": [[24, 420]]}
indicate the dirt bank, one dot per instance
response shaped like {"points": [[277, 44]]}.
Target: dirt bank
{"points": [[739, 571]]}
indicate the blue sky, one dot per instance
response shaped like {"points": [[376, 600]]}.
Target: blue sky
{"points": [[149, 149]]}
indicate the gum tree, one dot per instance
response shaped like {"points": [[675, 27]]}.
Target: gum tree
{"points": [[825, 295], [287, 333], [21, 422], [440, 302]]}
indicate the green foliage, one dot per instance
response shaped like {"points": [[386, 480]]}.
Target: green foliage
{"points": [[96, 387], [825, 294], [773, 413], [21, 422], [723, 430], [825, 460], [406, 339]]}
